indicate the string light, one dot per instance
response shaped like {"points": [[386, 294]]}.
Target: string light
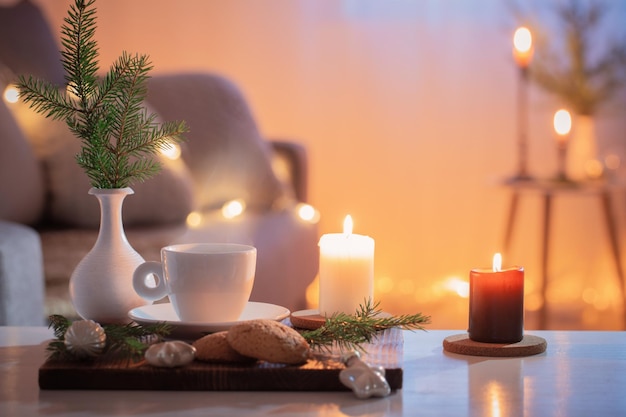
{"points": [[233, 208], [194, 219], [307, 213], [11, 94], [172, 151]]}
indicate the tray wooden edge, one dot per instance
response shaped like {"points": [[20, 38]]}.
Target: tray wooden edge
{"points": [[197, 377]]}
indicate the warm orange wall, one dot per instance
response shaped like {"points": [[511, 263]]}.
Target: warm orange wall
{"points": [[408, 111]]}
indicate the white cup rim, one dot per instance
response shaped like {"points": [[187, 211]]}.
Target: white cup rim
{"points": [[209, 248]]}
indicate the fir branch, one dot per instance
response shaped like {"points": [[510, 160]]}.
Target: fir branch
{"points": [[119, 137], [125, 341], [80, 53], [352, 331], [56, 348], [45, 98], [582, 79], [59, 324], [129, 341]]}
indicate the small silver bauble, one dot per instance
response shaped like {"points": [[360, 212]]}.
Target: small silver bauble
{"points": [[85, 338], [170, 354]]}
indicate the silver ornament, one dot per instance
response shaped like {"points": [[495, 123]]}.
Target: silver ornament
{"points": [[170, 354], [85, 338], [365, 381]]}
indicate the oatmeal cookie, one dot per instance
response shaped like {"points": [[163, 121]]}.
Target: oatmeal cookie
{"points": [[269, 341], [215, 348]]}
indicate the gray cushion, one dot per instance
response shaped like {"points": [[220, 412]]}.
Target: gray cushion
{"points": [[227, 157], [21, 276], [27, 44], [21, 184], [163, 199]]}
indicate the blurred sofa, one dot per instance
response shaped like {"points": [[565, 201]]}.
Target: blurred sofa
{"points": [[43, 192], [21, 276]]}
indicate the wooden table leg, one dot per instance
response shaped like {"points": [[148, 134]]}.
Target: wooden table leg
{"points": [[615, 249], [543, 285], [510, 221]]}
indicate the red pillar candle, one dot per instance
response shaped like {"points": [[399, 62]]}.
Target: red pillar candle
{"points": [[496, 304]]}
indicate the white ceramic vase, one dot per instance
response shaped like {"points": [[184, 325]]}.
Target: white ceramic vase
{"points": [[101, 286]]}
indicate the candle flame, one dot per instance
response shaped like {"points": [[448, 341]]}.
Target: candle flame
{"points": [[497, 262], [522, 39], [562, 122], [347, 225]]}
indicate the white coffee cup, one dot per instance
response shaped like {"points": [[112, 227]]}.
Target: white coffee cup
{"points": [[205, 282]]}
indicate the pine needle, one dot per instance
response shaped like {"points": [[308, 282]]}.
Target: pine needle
{"points": [[353, 331]]}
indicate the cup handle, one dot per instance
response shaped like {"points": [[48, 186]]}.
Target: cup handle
{"points": [[140, 275]]}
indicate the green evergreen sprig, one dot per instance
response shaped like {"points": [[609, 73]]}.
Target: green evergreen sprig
{"points": [[119, 137], [585, 76], [348, 331], [125, 341]]}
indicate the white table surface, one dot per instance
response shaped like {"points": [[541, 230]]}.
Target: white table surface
{"points": [[581, 374]]}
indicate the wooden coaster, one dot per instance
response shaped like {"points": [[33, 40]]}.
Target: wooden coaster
{"points": [[463, 345], [312, 319], [307, 319]]}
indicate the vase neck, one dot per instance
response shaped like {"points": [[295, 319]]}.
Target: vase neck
{"points": [[111, 202]]}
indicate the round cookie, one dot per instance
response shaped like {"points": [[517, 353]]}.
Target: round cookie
{"points": [[215, 348], [270, 341]]}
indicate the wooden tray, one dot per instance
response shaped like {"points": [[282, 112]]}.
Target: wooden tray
{"points": [[119, 375]]}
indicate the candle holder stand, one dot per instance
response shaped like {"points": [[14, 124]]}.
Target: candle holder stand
{"points": [[461, 344], [522, 127], [562, 157]]}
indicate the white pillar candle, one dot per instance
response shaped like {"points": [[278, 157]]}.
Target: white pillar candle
{"points": [[346, 271]]}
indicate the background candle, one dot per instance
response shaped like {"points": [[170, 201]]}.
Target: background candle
{"points": [[562, 127], [523, 47], [346, 271], [496, 305]]}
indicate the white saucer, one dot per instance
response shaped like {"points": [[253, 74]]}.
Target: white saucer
{"points": [[164, 313]]}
